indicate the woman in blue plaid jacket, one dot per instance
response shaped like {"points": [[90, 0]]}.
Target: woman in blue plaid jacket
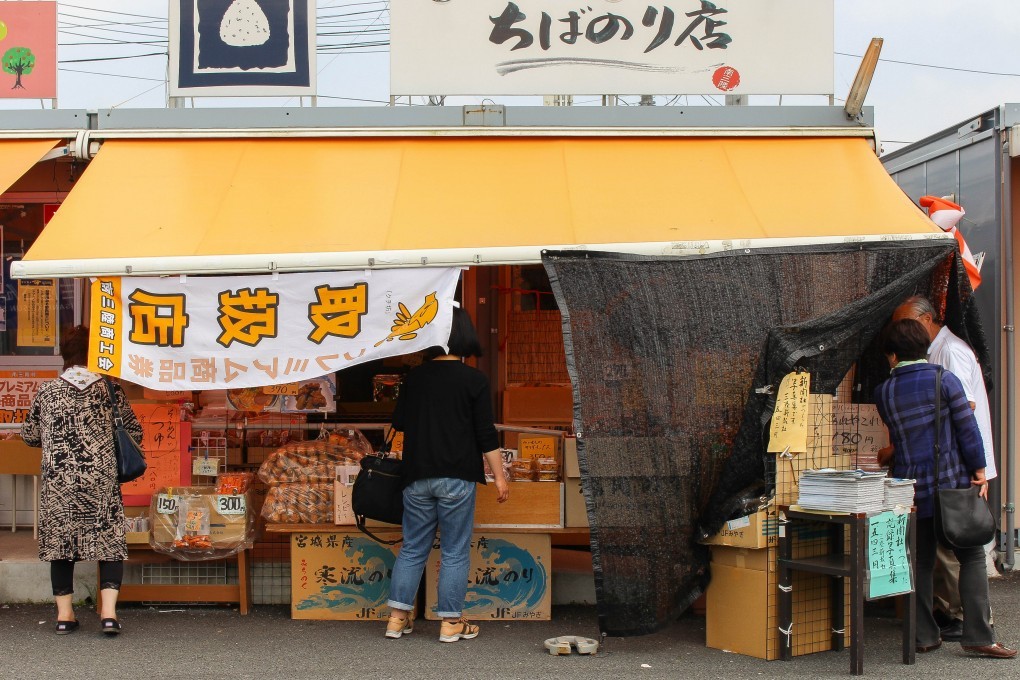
{"points": [[906, 402]]}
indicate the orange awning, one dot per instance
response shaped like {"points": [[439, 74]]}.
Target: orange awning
{"points": [[18, 155], [229, 205]]}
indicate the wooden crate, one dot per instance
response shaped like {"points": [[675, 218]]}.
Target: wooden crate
{"points": [[531, 504]]}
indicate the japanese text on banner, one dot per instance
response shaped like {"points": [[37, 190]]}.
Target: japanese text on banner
{"points": [[204, 333]]}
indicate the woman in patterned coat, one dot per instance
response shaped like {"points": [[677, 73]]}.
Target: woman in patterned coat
{"points": [[81, 512]]}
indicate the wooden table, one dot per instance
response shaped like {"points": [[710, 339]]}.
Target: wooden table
{"points": [[839, 565], [239, 593]]}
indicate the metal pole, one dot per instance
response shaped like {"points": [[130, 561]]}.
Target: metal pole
{"points": [[1009, 335]]}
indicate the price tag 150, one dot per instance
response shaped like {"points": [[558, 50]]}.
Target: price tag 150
{"points": [[165, 504], [231, 505]]}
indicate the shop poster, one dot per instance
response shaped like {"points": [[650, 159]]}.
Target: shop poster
{"points": [[888, 565], [231, 332], [17, 390], [37, 313], [340, 576], [788, 433], [28, 50], [162, 439], [509, 578]]}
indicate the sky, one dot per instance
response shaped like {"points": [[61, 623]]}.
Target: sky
{"points": [[970, 43]]}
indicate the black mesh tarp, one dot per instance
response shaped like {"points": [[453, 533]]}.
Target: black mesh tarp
{"points": [[665, 354]]}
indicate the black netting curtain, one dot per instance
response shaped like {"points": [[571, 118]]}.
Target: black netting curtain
{"points": [[665, 354]]}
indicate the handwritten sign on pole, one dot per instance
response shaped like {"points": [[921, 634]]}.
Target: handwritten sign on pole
{"points": [[888, 565], [789, 420]]}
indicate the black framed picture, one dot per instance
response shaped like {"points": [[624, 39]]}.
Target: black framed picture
{"points": [[242, 47]]}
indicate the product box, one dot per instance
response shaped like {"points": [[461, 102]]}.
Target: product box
{"points": [[343, 485], [742, 600], [574, 509], [509, 578], [340, 576], [531, 504], [570, 465], [742, 558], [758, 530], [137, 537]]}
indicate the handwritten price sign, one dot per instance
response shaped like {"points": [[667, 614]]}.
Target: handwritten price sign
{"points": [[161, 442]]}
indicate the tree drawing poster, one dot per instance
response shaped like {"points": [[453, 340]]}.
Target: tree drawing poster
{"points": [[28, 50], [226, 48]]}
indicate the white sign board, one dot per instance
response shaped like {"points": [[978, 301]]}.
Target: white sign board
{"points": [[541, 47], [228, 332]]}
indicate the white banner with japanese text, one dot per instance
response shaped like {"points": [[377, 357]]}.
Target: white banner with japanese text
{"points": [[227, 332], [546, 47]]}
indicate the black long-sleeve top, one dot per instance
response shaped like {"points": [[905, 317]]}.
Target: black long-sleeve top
{"points": [[445, 413]]}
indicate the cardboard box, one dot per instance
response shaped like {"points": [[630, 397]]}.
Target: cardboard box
{"points": [[570, 465], [343, 485], [137, 537], [759, 530], [340, 576], [742, 600], [756, 559], [531, 504], [574, 509], [742, 612], [509, 578]]}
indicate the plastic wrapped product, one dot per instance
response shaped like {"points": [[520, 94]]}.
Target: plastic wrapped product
{"points": [[198, 523], [522, 470], [308, 503], [314, 461]]}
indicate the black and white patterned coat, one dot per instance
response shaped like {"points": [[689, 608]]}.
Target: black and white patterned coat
{"points": [[81, 512]]}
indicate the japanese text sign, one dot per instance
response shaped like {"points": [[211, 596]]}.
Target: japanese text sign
{"points": [[508, 578], [537, 47], [228, 332], [340, 576], [17, 390], [789, 421], [888, 565]]}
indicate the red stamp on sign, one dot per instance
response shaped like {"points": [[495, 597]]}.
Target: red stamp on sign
{"points": [[726, 78]]}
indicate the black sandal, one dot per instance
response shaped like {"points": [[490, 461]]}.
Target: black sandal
{"points": [[110, 626], [66, 627]]}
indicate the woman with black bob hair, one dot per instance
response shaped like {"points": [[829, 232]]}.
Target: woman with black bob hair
{"points": [[906, 402], [445, 413]]}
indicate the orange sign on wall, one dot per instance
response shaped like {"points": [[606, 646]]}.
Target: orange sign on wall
{"points": [[28, 50]]}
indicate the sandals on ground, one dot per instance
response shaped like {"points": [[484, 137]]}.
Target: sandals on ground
{"points": [[110, 626], [66, 627]]}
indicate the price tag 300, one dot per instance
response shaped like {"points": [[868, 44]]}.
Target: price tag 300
{"points": [[165, 504], [231, 505]]}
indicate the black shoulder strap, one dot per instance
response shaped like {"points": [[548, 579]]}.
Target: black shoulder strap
{"points": [[359, 521], [938, 422], [117, 420]]}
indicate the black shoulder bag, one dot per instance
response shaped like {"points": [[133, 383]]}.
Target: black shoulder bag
{"points": [[962, 517], [130, 459], [378, 491]]}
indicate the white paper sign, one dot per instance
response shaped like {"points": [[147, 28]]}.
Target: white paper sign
{"points": [[166, 505], [539, 47], [231, 505], [207, 333]]}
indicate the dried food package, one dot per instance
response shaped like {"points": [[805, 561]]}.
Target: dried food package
{"points": [[199, 523], [314, 461], [309, 503]]}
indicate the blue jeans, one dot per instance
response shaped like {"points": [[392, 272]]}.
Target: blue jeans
{"points": [[449, 504]]}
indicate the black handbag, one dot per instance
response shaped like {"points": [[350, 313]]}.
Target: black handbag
{"points": [[378, 491], [130, 458], [962, 518]]}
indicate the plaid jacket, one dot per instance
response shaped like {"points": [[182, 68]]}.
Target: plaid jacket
{"points": [[906, 402]]}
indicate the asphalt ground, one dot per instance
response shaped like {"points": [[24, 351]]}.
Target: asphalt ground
{"points": [[210, 642]]}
